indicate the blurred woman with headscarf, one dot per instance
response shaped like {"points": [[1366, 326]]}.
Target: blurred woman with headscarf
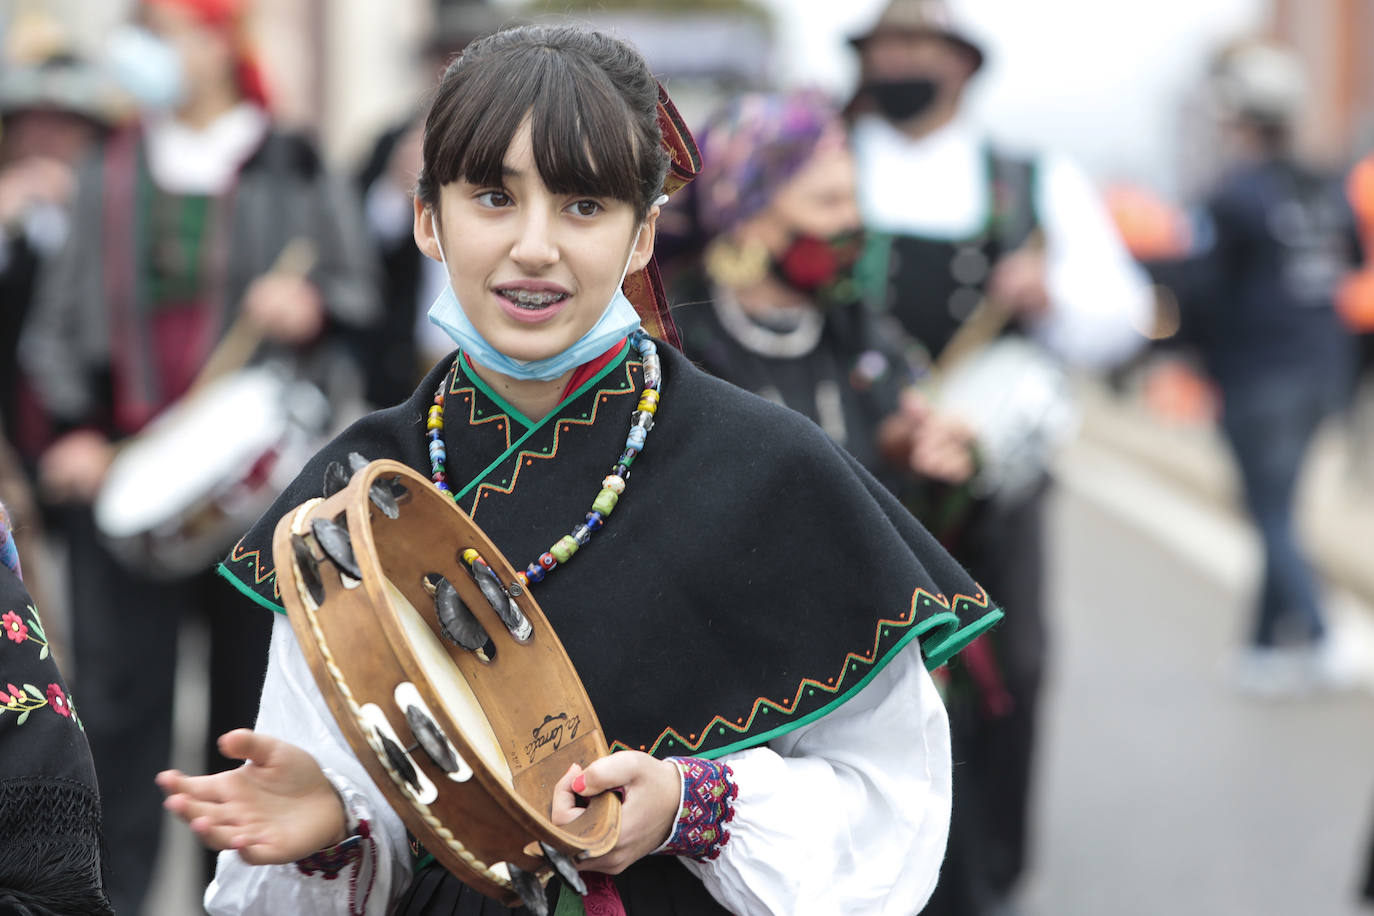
{"points": [[772, 304], [179, 229]]}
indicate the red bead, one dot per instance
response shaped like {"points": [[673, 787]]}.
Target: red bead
{"points": [[547, 561]]}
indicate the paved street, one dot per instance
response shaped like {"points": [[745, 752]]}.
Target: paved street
{"points": [[1161, 792]]}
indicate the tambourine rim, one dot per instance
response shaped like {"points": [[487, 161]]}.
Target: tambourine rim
{"points": [[500, 790]]}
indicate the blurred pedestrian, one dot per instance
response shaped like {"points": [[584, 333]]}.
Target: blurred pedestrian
{"points": [[967, 242], [50, 842], [1275, 240], [403, 343], [53, 109], [773, 304], [179, 228]]}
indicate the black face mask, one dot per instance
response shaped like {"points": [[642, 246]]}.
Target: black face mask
{"points": [[903, 99]]}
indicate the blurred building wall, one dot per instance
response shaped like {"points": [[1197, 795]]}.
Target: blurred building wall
{"points": [[343, 69], [1335, 39]]}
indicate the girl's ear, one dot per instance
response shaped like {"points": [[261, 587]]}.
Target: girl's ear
{"points": [[423, 229], [644, 245]]}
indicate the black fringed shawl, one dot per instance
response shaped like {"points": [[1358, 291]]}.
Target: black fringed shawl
{"points": [[49, 803]]}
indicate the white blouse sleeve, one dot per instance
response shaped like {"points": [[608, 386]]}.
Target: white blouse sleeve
{"points": [[1100, 299], [848, 814], [294, 710]]}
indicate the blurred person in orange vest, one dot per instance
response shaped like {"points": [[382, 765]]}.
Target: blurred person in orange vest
{"points": [[177, 230], [954, 222], [1272, 246]]}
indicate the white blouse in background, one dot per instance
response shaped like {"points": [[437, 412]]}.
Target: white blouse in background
{"points": [[937, 187]]}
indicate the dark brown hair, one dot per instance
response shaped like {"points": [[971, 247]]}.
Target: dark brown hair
{"points": [[592, 104]]}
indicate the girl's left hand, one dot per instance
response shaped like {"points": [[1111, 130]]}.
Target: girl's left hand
{"points": [[651, 790]]}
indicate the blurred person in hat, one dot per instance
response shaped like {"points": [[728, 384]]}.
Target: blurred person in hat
{"points": [[178, 227], [52, 112], [1274, 241], [406, 342], [960, 230], [54, 107]]}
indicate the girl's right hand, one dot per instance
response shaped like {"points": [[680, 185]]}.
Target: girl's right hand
{"points": [[278, 807]]}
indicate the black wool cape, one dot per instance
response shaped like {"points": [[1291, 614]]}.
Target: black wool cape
{"points": [[752, 577]]}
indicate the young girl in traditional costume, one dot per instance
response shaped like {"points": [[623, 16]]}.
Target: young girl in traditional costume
{"points": [[751, 614]]}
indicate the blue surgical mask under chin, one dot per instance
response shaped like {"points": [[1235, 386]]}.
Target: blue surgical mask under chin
{"points": [[617, 320]]}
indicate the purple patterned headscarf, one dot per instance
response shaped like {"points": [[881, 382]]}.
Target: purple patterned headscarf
{"points": [[752, 146]]}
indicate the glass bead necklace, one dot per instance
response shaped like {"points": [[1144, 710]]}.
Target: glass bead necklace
{"points": [[641, 421]]}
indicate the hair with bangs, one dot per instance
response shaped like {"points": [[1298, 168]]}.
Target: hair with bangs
{"points": [[592, 105]]}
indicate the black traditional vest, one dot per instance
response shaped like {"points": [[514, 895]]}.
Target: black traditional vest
{"points": [[933, 284]]}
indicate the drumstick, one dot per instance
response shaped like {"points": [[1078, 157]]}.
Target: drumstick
{"points": [[242, 339], [981, 328]]}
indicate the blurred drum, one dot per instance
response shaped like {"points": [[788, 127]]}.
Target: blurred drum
{"points": [[1019, 402], [179, 494]]}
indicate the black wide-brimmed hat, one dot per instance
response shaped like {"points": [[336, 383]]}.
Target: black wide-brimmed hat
{"points": [[920, 17]]}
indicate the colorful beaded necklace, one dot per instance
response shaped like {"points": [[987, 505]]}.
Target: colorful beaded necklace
{"points": [[641, 421]]}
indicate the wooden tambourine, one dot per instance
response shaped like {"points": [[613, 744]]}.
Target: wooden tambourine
{"points": [[445, 677]]}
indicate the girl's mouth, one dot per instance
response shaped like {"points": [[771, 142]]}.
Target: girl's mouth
{"points": [[531, 300]]}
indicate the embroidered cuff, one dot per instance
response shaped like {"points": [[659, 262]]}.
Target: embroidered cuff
{"points": [[359, 848], [708, 796], [332, 860]]}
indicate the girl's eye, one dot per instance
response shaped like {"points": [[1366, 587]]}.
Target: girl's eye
{"points": [[586, 208], [494, 199]]}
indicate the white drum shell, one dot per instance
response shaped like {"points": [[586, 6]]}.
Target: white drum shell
{"points": [[179, 494], [1019, 401]]}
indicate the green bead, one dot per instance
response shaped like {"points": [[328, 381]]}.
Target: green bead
{"points": [[605, 501], [564, 549]]}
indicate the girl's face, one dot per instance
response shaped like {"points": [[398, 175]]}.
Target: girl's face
{"points": [[534, 270]]}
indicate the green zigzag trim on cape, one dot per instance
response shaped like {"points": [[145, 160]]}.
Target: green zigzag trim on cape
{"points": [[941, 630], [246, 590], [262, 572]]}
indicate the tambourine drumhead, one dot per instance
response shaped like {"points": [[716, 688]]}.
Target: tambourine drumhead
{"points": [[191, 448], [450, 685]]}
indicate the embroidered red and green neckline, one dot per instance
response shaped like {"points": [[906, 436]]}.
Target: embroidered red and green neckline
{"points": [[612, 486]]}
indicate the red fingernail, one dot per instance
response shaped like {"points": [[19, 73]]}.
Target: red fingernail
{"points": [[579, 784]]}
